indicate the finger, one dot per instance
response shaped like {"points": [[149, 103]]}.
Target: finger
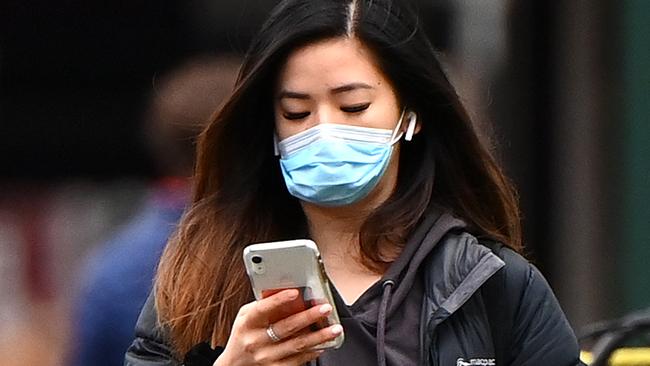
{"points": [[294, 323], [262, 310], [300, 359], [305, 342], [246, 308]]}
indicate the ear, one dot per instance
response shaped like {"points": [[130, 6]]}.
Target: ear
{"points": [[413, 126]]}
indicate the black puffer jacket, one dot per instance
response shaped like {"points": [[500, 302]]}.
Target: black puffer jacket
{"points": [[484, 305]]}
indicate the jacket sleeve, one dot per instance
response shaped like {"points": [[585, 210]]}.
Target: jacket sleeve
{"points": [[541, 334], [149, 348]]}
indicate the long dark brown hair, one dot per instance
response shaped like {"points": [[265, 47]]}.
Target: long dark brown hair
{"points": [[240, 196]]}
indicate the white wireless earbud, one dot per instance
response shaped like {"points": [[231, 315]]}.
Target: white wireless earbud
{"points": [[410, 130]]}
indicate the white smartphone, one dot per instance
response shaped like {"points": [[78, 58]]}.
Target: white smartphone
{"points": [[276, 266]]}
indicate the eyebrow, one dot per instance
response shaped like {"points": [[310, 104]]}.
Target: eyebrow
{"points": [[338, 90], [292, 95], [350, 87]]}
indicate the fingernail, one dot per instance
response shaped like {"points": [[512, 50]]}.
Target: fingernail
{"points": [[337, 329], [324, 309]]}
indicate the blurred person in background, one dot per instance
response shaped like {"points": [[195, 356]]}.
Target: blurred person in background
{"points": [[379, 164], [118, 276]]}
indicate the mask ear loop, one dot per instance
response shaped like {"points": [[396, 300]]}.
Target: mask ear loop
{"points": [[276, 149], [413, 118]]}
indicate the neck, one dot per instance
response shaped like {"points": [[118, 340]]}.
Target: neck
{"points": [[336, 232], [336, 229], [334, 226]]}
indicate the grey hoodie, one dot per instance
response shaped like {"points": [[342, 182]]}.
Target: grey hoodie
{"points": [[398, 316]]}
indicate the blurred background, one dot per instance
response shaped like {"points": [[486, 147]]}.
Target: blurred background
{"points": [[96, 98]]}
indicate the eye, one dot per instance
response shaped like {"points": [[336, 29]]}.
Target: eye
{"points": [[295, 116], [355, 108]]}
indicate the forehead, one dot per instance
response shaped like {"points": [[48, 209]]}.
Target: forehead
{"points": [[330, 63]]}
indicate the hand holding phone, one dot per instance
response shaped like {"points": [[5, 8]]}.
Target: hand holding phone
{"points": [[294, 264], [250, 344], [294, 317]]}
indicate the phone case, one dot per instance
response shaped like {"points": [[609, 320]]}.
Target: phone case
{"points": [[275, 266]]}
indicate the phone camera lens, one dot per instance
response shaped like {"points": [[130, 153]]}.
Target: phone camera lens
{"points": [[256, 259]]}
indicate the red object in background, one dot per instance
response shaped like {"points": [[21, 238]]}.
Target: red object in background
{"points": [[33, 226]]}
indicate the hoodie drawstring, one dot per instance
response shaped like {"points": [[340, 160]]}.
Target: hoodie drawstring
{"points": [[381, 321]]}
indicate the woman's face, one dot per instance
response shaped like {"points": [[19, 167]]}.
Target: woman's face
{"points": [[333, 81], [338, 81]]}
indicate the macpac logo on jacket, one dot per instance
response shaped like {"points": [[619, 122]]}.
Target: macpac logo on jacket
{"points": [[476, 361]]}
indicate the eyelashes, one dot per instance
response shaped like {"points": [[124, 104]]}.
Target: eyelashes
{"points": [[295, 116], [356, 108], [347, 109]]}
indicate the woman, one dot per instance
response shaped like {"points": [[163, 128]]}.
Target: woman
{"points": [[379, 165]]}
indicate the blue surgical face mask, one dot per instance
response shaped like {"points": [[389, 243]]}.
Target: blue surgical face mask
{"points": [[336, 165]]}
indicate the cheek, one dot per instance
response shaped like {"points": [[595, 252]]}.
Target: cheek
{"points": [[280, 125], [284, 128], [386, 114], [280, 130], [387, 108]]}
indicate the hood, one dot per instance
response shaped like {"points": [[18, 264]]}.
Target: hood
{"points": [[435, 225], [400, 277]]}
